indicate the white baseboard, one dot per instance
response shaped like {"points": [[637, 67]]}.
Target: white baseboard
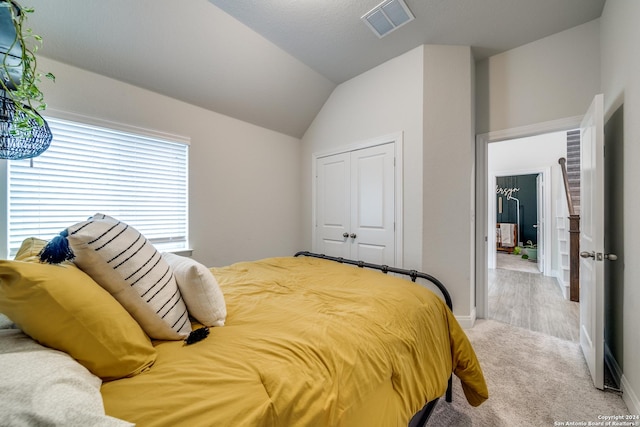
{"points": [[630, 397], [564, 287], [467, 322]]}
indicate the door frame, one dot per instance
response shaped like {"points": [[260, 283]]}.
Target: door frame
{"points": [[492, 215], [482, 188], [397, 139]]}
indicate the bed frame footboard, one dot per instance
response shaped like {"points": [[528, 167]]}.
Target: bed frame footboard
{"points": [[422, 416]]}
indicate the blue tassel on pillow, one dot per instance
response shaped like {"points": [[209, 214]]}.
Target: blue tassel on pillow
{"points": [[197, 335], [57, 250]]}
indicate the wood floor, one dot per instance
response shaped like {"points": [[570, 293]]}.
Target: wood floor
{"points": [[531, 301]]}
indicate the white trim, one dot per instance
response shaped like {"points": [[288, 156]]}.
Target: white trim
{"points": [[398, 140], [532, 130], [467, 322], [396, 137], [630, 397], [4, 211], [482, 261], [564, 287], [482, 231], [88, 120]]}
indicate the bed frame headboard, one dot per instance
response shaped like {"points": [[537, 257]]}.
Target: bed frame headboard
{"points": [[413, 274]]}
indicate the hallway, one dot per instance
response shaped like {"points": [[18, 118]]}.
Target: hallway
{"points": [[530, 300]]}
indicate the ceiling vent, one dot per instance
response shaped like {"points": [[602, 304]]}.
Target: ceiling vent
{"points": [[388, 16]]}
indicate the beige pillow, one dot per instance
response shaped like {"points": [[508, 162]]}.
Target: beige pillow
{"points": [[63, 308], [121, 260], [200, 290]]}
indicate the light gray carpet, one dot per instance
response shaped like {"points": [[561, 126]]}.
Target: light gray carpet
{"points": [[533, 380]]}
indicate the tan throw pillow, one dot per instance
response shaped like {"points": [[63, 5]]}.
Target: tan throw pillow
{"points": [[200, 290], [63, 308], [121, 260]]}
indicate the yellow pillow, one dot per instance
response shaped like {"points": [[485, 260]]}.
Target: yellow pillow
{"points": [[30, 249], [63, 308]]}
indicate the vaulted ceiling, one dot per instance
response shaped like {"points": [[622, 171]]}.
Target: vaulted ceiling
{"points": [[274, 63]]}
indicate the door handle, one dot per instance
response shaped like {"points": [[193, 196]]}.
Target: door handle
{"points": [[610, 257], [353, 235], [345, 235]]}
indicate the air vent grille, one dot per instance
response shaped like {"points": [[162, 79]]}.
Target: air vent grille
{"points": [[387, 17]]}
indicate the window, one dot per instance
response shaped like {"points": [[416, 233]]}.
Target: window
{"points": [[138, 179]]}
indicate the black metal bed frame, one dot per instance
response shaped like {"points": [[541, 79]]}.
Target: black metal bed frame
{"points": [[422, 416]]}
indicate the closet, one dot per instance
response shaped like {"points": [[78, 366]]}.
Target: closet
{"points": [[355, 204]]}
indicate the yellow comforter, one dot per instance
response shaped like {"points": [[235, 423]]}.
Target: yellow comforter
{"points": [[307, 342]]}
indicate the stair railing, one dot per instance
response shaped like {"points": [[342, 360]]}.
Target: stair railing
{"points": [[563, 166], [574, 239]]}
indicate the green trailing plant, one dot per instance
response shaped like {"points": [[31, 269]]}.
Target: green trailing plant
{"points": [[25, 91]]}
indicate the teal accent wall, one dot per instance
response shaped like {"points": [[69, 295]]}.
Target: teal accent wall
{"points": [[527, 194]]}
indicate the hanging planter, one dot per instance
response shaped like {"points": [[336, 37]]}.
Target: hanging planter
{"points": [[16, 142], [23, 131]]}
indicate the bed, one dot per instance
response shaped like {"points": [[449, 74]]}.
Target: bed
{"points": [[306, 341]]}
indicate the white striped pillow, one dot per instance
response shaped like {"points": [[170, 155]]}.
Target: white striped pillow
{"points": [[121, 260]]}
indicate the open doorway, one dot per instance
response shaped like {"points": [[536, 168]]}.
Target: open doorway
{"points": [[525, 189], [484, 238], [503, 161], [520, 222]]}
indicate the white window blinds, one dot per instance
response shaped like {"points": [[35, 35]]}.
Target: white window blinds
{"points": [[137, 179]]}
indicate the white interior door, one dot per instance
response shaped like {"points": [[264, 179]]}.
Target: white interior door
{"points": [[541, 221], [592, 240], [333, 206], [373, 205]]}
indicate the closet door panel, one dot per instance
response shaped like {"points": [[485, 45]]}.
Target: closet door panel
{"points": [[333, 206], [373, 204]]}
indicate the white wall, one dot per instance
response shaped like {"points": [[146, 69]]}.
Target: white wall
{"points": [[549, 79], [621, 85], [382, 101], [427, 94], [244, 180], [534, 153], [448, 250]]}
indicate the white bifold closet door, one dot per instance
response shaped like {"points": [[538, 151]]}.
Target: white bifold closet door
{"points": [[355, 205]]}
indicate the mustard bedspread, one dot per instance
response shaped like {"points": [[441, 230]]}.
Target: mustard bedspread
{"points": [[307, 342]]}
